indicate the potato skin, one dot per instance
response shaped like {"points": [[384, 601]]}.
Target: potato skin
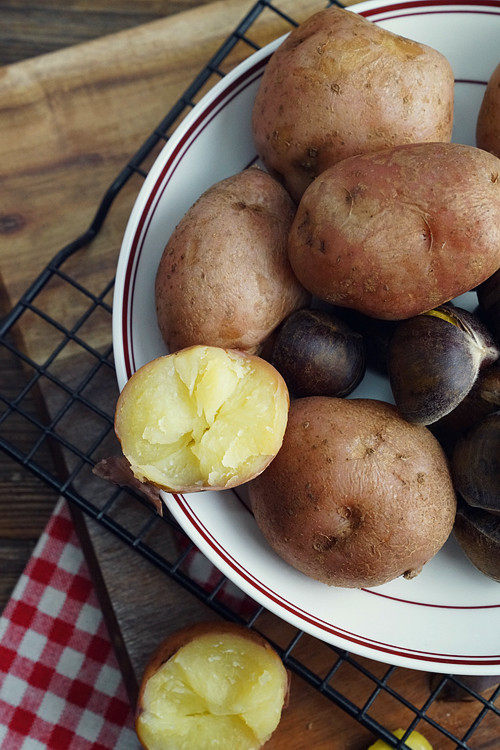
{"points": [[224, 278], [355, 88], [182, 637], [356, 496], [397, 233], [488, 121]]}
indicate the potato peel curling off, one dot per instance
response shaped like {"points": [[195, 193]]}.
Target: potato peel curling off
{"points": [[202, 418]]}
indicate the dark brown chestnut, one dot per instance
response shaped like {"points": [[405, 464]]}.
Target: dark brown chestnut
{"points": [[318, 354], [452, 691], [478, 533], [376, 333], [488, 295], [476, 465], [482, 399], [434, 360]]}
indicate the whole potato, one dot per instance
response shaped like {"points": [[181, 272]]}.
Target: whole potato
{"points": [[397, 233], [488, 121], [224, 278], [338, 86], [356, 496]]}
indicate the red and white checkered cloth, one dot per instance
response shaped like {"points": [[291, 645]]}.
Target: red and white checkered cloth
{"points": [[60, 685]]}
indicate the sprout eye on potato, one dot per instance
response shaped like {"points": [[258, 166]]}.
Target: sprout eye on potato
{"points": [[213, 684], [434, 361], [399, 232], [224, 278], [203, 418], [356, 496]]}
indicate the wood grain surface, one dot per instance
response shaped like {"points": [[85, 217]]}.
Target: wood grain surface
{"points": [[69, 121], [40, 26]]}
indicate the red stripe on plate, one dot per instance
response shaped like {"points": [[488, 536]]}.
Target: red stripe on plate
{"points": [[321, 624], [431, 3], [127, 306]]}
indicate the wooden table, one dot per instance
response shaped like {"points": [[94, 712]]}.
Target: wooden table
{"points": [[35, 27], [28, 29]]}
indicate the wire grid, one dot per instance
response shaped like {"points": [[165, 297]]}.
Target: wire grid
{"points": [[78, 411]]}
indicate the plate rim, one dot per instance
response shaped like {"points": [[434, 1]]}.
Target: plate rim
{"points": [[144, 200]]}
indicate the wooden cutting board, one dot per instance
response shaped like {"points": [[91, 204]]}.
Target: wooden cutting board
{"points": [[69, 121]]}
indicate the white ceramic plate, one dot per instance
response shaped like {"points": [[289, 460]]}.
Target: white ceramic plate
{"points": [[446, 619]]}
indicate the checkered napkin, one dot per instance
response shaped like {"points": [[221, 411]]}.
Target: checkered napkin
{"points": [[60, 686]]}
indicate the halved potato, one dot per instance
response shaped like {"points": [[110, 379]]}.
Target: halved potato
{"points": [[213, 685], [202, 418]]}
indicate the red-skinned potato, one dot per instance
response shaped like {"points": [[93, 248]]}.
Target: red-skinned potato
{"points": [[356, 496], [340, 85], [397, 233], [212, 681], [224, 278], [202, 418], [488, 121]]}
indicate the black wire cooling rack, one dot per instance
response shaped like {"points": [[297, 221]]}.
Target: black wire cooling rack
{"points": [[80, 426]]}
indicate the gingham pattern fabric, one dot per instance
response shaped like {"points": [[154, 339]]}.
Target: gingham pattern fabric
{"points": [[60, 686]]}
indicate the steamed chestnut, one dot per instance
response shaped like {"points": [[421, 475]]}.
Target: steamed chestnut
{"points": [[476, 465], [434, 360], [488, 295], [377, 335], [453, 691], [478, 533], [482, 399], [318, 354]]}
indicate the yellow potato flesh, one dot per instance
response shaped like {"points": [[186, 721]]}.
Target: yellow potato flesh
{"points": [[416, 741], [201, 417], [222, 691]]}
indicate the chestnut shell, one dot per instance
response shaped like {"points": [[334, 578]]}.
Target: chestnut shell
{"points": [[478, 533], [476, 465], [318, 354], [434, 361], [377, 335], [488, 295], [482, 399]]}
